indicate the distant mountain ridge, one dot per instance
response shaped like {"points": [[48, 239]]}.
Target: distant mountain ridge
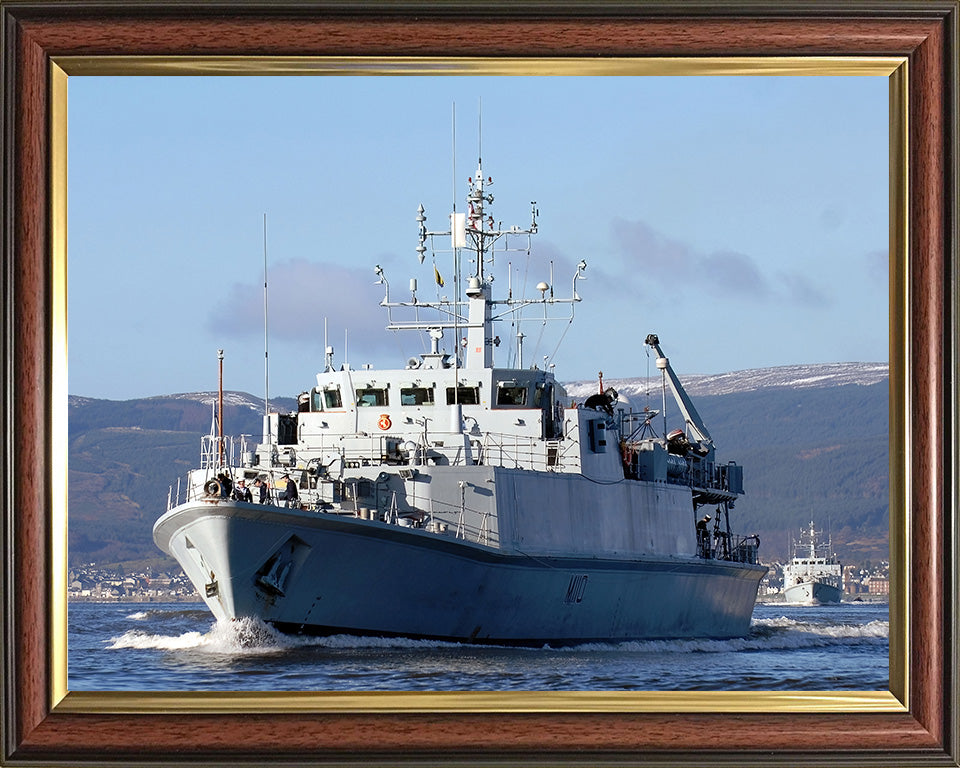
{"points": [[230, 398], [792, 376]]}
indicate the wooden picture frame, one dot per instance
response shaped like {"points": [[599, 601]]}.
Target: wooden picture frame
{"points": [[916, 722]]}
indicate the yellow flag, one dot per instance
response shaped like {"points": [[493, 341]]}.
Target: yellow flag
{"points": [[436, 274]]}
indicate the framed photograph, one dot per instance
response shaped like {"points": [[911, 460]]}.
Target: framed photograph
{"points": [[915, 721]]}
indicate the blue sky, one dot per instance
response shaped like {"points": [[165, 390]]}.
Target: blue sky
{"points": [[743, 219]]}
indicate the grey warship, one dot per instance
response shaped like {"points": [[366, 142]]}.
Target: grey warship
{"points": [[458, 500], [813, 576]]}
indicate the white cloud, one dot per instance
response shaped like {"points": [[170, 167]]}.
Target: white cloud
{"points": [[301, 294], [672, 264]]}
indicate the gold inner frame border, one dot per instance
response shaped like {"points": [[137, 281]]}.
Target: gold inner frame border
{"points": [[109, 702]]}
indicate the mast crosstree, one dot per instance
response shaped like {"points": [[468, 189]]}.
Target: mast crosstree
{"points": [[473, 234]]}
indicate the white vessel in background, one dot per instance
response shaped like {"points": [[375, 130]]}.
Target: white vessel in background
{"points": [[814, 576], [461, 499]]}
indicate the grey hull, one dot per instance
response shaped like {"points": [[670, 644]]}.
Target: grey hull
{"points": [[312, 573], [812, 593]]}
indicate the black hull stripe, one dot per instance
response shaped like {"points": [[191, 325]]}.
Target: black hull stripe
{"points": [[319, 630]]}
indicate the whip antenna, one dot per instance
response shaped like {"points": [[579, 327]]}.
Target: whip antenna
{"points": [[453, 159], [220, 459], [266, 352], [456, 263], [480, 130]]}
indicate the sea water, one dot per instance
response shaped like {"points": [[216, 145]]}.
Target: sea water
{"points": [[181, 647]]}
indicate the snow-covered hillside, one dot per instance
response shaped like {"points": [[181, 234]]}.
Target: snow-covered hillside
{"points": [[239, 399], [794, 376]]}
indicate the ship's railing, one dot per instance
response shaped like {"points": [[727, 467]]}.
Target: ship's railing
{"points": [[182, 493], [719, 545], [492, 449], [446, 518], [525, 452], [216, 452], [746, 549], [173, 497], [462, 523], [443, 518]]}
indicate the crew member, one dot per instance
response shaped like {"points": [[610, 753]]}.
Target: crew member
{"points": [[263, 490], [703, 536], [241, 492], [289, 494], [226, 485]]}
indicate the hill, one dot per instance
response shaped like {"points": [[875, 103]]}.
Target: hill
{"points": [[123, 457], [813, 441]]}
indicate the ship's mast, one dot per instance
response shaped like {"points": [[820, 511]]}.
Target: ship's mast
{"points": [[479, 352], [474, 232]]}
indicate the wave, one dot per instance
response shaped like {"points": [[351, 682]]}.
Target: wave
{"points": [[775, 634], [166, 614], [877, 628], [141, 640], [250, 635], [230, 637], [253, 636]]}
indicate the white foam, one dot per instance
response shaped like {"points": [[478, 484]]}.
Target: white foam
{"points": [[231, 637], [876, 628], [252, 636], [137, 639], [355, 642], [766, 635]]}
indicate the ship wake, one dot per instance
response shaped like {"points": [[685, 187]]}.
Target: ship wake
{"points": [[239, 636], [772, 634], [252, 636]]}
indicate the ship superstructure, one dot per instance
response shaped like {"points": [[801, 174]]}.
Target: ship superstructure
{"points": [[458, 499], [813, 576]]}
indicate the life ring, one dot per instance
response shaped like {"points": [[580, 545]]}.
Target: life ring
{"points": [[212, 488], [384, 421]]}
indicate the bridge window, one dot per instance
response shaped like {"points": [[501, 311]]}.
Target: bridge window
{"points": [[539, 390], [323, 399], [511, 395], [286, 429], [416, 396], [463, 395], [371, 396], [331, 398]]}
